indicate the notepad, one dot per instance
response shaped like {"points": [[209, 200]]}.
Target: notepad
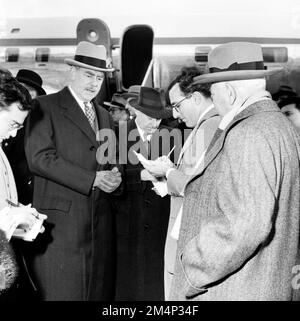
{"points": [[160, 186]]}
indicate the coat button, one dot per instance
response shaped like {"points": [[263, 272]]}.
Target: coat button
{"points": [[92, 148], [146, 227]]}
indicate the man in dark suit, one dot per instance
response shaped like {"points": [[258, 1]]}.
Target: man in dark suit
{"points": [[142, 218], [74, 258]]}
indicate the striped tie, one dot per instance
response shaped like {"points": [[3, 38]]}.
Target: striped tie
{"points": [[90, 114]]}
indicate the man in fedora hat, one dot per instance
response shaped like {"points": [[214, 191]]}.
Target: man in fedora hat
{"points": [[74, 258], [117, 108], [239, 234], [133, 92], [142, 217]]}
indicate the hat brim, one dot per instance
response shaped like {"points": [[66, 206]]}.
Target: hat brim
{"points": [[234, 75], [73, 62], [163, 114], [39, 89], [106, 103], [129, 95]]}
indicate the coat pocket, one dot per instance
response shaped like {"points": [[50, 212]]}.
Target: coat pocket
{"points": [[55, 203]]}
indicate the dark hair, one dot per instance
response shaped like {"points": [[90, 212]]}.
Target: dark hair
{"points": [[185, 82], [290, 100], [12, 91]]}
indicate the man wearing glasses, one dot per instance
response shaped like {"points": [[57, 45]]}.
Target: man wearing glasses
{"points": [[193, 105]]}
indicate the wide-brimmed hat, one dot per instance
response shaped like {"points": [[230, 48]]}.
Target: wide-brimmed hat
{"points": [[32, 79], [152, 103], [117, 101], [89, 56], [235, 61], [133, 92]]}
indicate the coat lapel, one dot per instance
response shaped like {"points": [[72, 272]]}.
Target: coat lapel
{"points": [[187, 144], [74, 113]]}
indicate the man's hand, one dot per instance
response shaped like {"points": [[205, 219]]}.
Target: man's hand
{"points": [[108, 181], [159, 167], [23, 217], [146, 176]]}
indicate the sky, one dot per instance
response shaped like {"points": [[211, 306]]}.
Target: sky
{"points": [[184, 17]]}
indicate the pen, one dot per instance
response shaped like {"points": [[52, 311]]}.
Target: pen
{"points": [[12, 203], [171, 151], [18, 205]]}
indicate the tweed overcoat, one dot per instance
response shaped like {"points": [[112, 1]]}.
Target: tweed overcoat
{"points": [[239, 237]]}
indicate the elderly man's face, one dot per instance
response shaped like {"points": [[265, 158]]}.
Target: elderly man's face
{"points": [[86, 83], [220, 97], [148, 124]]}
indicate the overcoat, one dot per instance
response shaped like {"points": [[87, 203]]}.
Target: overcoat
{"points": [[142, 221], [188, 162], [74, 257], [239, 237]]}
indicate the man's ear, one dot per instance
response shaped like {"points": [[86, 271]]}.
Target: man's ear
{"points": [[231, 93], [198, 97]]}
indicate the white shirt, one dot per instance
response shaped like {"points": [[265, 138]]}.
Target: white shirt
{"points": [[187, 143], [142, 133]]}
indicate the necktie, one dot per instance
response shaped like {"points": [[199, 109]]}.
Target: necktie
{"points": [[90, 114], [147, 145]]}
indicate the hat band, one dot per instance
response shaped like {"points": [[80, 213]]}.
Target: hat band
{"points": [[146, 102], [253, 65], [99, 63]]}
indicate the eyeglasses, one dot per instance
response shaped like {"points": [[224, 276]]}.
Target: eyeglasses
{"points": [[15, 126], [177, 105]]}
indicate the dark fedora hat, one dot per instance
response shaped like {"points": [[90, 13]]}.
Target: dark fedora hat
{"points": [[235, 61], [32, 79], [90, 56], [117, 101], [152, 103]]}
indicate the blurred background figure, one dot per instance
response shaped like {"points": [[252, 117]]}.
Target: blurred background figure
{"points": [[117, 109], [133, 92], [31, 81], [283, 93], [291, 108]]}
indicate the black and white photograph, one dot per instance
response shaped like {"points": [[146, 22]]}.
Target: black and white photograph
{"points": [[149, 153]]}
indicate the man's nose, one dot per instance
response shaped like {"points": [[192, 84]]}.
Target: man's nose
{"points": [[176, 114]]}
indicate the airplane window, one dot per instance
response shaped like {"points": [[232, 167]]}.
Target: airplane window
{"points": [[42, 54], [275, 54], [201, 54], [12, 54]]}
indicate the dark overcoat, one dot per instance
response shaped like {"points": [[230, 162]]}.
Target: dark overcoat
{"points": [[142, 222], [73, 258]]}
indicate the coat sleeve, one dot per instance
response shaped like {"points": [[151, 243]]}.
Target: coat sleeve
{"points": [[43, 158], [176, 182], [241, 218]]}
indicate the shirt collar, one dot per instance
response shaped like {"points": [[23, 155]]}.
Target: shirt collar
{"points": [[142, 132]]}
